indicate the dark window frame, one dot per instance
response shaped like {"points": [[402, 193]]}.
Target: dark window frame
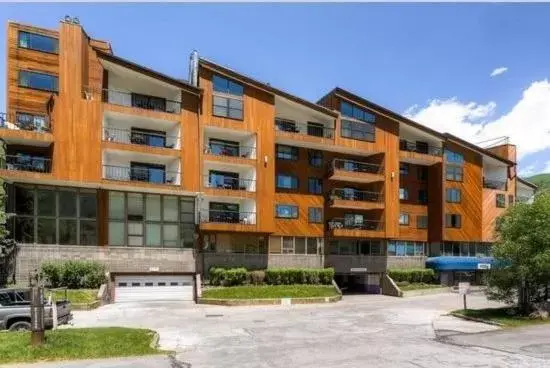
{"points": [[30, 72], [317, 216], [228, 94], [318, 184], [422, 224], [295, 179], [500, 200], [452, 175], [453, 195], [294, 153], [406, 216], [453, 220], [294, 211], [30, 36], [313, 156]]}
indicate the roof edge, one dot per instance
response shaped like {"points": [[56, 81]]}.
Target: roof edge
{"points": [[482, 151], [528, 183]]}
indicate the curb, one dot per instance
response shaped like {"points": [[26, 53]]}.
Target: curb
{"points": [[430, 291], [86, 306], [474, 319], [155, 341], [276, 301]]}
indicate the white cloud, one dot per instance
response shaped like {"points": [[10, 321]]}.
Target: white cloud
{"points": [[499, 71], [527, 123], [546, 168], [527, 171]]}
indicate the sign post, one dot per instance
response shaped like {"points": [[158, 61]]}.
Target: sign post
{"points": [[37, 311], [463, 288]]}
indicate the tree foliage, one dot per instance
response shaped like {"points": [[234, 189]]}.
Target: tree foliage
{"points": [[522, 254]]}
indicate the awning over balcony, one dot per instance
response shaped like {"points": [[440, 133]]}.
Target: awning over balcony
{"points": [[448, 263]]}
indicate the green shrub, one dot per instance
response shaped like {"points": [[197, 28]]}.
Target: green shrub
{"points": [[228, 277], [73, 274], [256, 277], [290, 276], [413, 275]]}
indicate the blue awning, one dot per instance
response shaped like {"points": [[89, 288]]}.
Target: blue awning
{"points": [[448, 263]]}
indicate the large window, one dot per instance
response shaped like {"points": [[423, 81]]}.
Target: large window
{"points": [[54, 215], [501, 200], [454, 173], [454, 167], [355, 112], [357, 130], [295, 245], [315, 215], [453, 195], [286, 211], [465, 249], [151, 220], [228, 98], [38, 42], [406, 248], [315, 185], [42, 81], [454, 157], [287, 152], [315, 158], [287, 181], [356, 247], [453, 220]]}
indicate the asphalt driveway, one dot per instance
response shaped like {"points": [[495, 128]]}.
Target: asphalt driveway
{"points": [[369, 330]]}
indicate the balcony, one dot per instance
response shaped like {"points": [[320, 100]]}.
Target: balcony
{"points": [[292, 132], [141, 174], [353, 227], [355, 199], [140, 101], [224, 185], [27, 162], [419, 152], [222, 220], [230, 153], [355, 171], [25, 129], [141, 137], [495, 184]]}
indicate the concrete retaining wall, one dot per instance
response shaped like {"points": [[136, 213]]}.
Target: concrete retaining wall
{"points": [[295, 261], [406, 262]]}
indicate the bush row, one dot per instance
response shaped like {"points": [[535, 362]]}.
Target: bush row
{"points": [[73, 274], [413, 275], [273, 276]]}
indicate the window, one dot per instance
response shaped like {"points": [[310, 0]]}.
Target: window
{"points": [[228, 98], [286, 211], [454, 173], [288, 245], [352, 111], [403, 168], [453, 220], [510, 200], [315, 215], [315, 185], [454, 158], [403, 194], [422, 196], [222, 147], [501, 200], [315, 158], [465, 249], [38, 42], [422, 173], [403, 218], [295, 245], [287, 152], [286, 181], [42, 81], [357, 130], [27, 121], [422, 222], [406, 248], [453, 195]]}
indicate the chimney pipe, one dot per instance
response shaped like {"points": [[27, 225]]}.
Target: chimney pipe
{"points": [[194, 68]]}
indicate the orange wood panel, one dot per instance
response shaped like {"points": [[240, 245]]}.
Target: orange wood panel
{"points": [[506, 151], [411, 231], [425, 158], [219, 192], [189, 142], [301, 225], [140, 148], [128, 110], [26, 135], [490, 210], [362, 234]]}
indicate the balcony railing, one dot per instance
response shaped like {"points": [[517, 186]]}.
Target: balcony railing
{"points": [[21, 121], [228, 182], [138, 137], [227, 217], [356, 166], [355, 224], [311, 129], [26, 163], [420, 147], [148, 175], [494, 184], [356, 195], [231, 150], [133, 99]]}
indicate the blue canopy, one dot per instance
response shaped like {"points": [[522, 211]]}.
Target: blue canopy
{"points": [[448, 263]]}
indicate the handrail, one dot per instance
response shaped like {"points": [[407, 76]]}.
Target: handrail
{"points": [[151, 175], [225, 149], [24, 162], [111, 134], [135, 99], [39, 123], [356, 166], [494, 184], [220, 181], [229, 217], [405, 145], [343, 223], [356, 195], [286, 125]]}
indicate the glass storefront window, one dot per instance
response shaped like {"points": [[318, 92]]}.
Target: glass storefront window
{"points": [[116, 233], [88, 205], [24, 200], [170, 208], [116, 206], [67, 232], [152, 205], [170, 235], [46, 202], [88, 232], [67, 203], [299, 245], [46, 231], [153, 234], [24, 230]]}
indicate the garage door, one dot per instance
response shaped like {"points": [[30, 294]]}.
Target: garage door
{"points": [[134, 288]]}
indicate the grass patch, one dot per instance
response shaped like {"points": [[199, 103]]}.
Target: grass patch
{"points": [[270, 292], [500, 315], [76, 296], [77, 343], [419, 286]]}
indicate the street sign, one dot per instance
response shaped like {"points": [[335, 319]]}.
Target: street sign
{"points": [[483, 266], [463, 288]]}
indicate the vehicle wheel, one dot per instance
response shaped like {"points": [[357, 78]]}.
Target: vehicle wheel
{"points": [[20, 326]]}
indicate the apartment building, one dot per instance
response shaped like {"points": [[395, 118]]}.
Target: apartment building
{"points": [[160, 178]]}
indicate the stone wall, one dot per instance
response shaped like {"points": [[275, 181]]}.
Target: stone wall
{"points": [[116, 259], [406, 262]]}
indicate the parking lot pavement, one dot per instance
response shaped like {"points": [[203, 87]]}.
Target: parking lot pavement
{"points": [[141, 362], [371, 330]]}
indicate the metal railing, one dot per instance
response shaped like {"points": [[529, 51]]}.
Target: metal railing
{"points": [[129, 136], [311, 129], [149, 175], [354, 224], [356, 195], [227, 217], [23, 162], [134, 99], [420, 147], [225, 149], [494, 184], [356, 166], [219, 181], [22, 121]]}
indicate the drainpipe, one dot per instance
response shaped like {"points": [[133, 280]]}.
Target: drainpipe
{"points": [[194, 68]]}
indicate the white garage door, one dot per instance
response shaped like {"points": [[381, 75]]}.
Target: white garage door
{"points": [[136, 288]]}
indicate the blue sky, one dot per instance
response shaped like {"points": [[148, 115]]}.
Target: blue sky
{"points": [[396, 55]]}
